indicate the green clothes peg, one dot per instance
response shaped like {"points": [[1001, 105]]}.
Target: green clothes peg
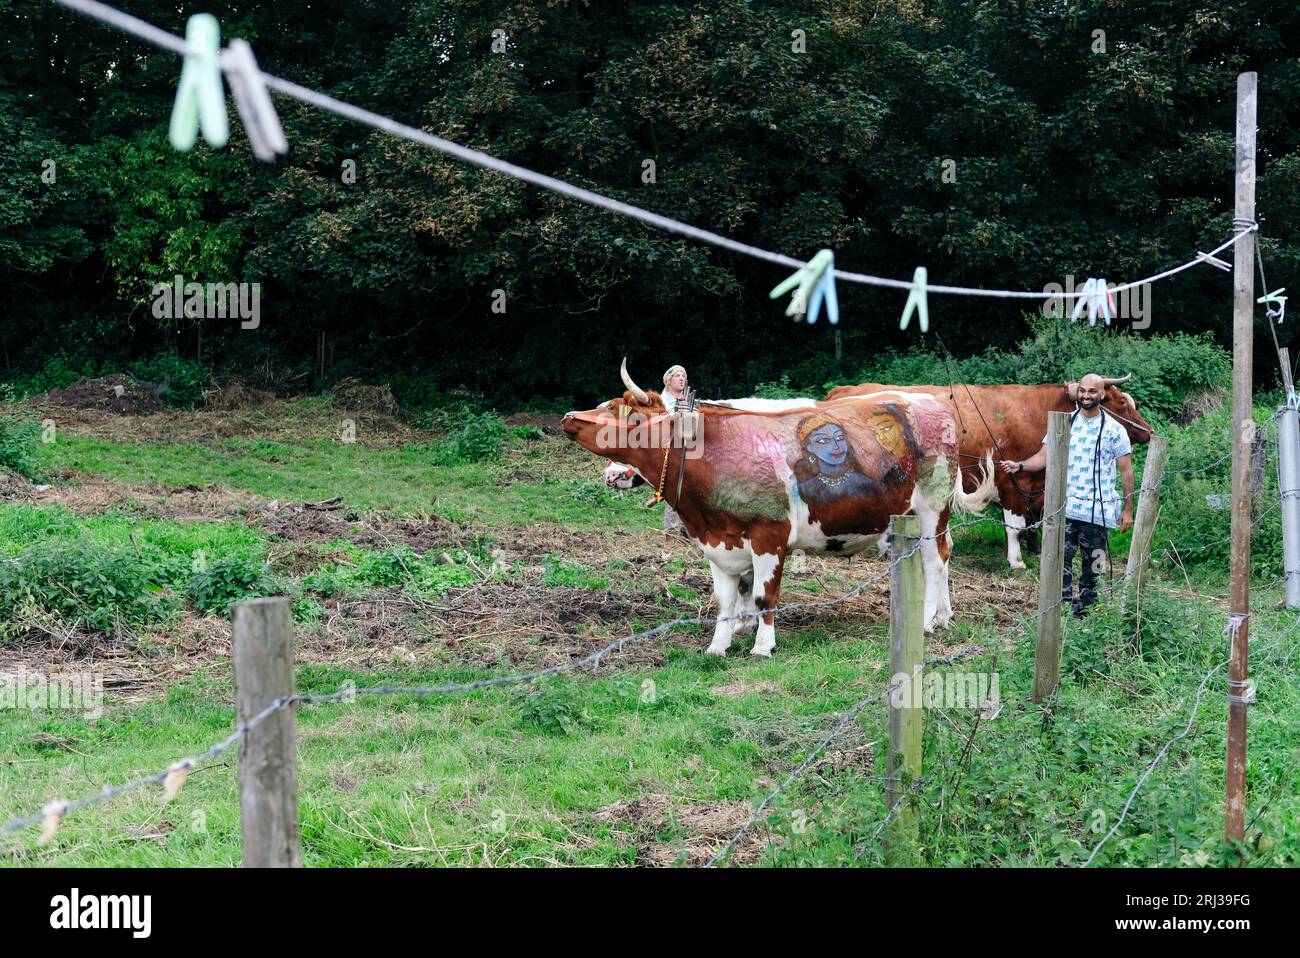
{"points": [[815, 278], [200, 98], [916, 300]]}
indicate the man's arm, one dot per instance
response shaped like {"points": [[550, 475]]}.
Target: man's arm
{"points": [[1035, 463], [1125, 464]]}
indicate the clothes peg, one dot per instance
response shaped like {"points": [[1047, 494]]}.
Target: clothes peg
{"points": [[816, 277], [1275, 297], [200, 98], [1213, 261], [1098, 299], [917, 301], [265, 135]]}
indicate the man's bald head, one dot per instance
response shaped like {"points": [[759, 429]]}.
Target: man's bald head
{"points": [[1092, 389]]}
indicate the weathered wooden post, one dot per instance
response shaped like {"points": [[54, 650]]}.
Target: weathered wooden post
{"points": [[1148, 504], [1047, 655], [1243, 435], [268, 757], [906, 655]]}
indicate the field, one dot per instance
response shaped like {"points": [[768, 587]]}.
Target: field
{"points": [[416, 558]]}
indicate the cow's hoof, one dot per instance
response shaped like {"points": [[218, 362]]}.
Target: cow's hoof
{"points": [[1019, 566], [712, 651], [765, 653]]}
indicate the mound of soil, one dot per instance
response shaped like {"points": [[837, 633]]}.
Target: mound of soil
{"points": [[547, 424], [14, 486], [353, 394], [235, 395], [117, 394]]}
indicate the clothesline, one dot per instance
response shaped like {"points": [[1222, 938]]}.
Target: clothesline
{"points": [[161, 38]]}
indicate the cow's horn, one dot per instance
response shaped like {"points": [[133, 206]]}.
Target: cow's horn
{"points": [[1072, 390], [637, 392], [1116, 382]]}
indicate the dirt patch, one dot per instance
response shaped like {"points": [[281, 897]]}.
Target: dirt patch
{"points": [[709, 825], [14, 486], [190, 503], [354, 394], [236, 395], [117, 394], [298, 523], [550, 425]]}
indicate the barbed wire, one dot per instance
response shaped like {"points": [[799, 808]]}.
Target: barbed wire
{"points": [[133, 25], [61, 808], [1178, 736]]}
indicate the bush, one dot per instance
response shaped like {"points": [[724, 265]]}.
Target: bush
{"points": [[20, 443], [230, 579], [100, 589], [1166, 369], [478, 438], [187, 378]]}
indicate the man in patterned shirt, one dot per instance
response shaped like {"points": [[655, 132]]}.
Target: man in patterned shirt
{"points": [[1092, 507]]}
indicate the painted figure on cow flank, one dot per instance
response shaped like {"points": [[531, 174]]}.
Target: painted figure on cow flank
{"points": [[768, 482]]}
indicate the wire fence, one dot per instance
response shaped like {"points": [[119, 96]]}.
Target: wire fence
{"points": [[53, 812]]}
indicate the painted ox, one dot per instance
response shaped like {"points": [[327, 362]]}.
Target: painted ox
{"points": [[1010, 422], [752, 486]]}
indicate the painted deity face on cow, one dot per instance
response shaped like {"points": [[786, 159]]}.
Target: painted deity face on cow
{"points": [[889, 433], [828, 444]]}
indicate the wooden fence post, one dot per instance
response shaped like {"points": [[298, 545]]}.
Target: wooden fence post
{"points": [[1047, 655], [268, 758], [1148, 504], [906, 655]]}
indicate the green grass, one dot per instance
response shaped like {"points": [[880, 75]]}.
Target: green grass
{"points": [[397, 481], [514, 776]]}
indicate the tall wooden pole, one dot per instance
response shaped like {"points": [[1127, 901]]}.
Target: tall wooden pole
{"points": [[1243, 319], [1051, 566]]}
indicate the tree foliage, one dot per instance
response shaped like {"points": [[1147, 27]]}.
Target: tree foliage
{"points": [[791, 125]]}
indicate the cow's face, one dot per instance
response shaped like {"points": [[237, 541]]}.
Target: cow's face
{"points": [[623, 429], [1124, 408]]}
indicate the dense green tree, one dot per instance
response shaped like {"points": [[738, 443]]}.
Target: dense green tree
{"points": [[999, 143]]}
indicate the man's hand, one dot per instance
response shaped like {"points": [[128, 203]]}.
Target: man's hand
{"points": [[1126, 520], [1010, 466]]}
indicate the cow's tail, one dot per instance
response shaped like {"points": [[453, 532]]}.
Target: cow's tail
{"points": [[984, 493]]}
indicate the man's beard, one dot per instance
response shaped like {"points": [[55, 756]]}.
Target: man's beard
{"points": [[1088, 403]]}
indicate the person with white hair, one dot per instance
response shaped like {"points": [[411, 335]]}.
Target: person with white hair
{"points": [[674, 389]]}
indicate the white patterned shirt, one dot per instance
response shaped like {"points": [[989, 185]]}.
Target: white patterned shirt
{"points": [[1091, 497]]}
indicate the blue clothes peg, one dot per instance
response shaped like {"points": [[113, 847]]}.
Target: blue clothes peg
{"points": [[816, 283]]}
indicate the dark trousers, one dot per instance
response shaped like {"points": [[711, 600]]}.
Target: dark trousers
{"points": [[1090, 540]]}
